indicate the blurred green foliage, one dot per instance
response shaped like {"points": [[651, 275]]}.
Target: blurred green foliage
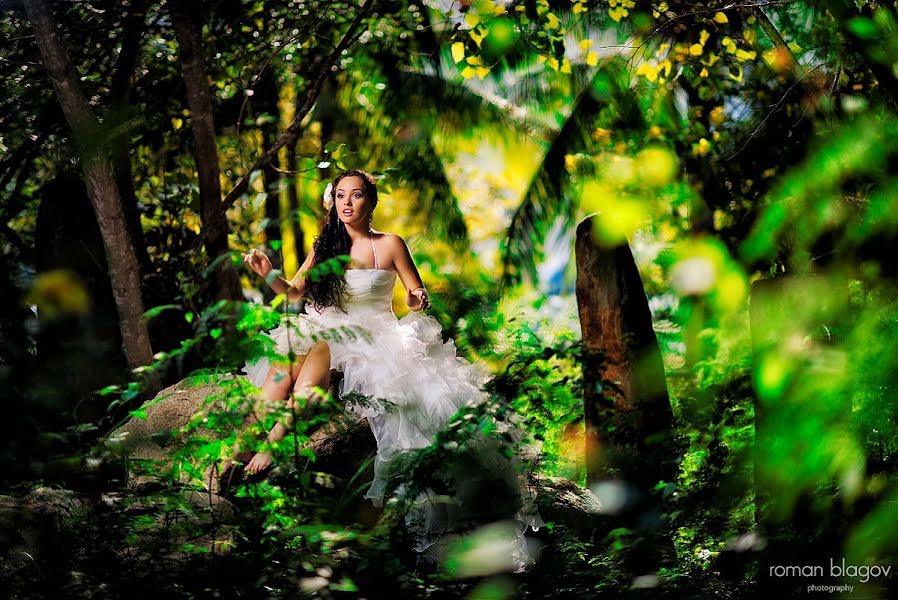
{"points": [[746, 153]]}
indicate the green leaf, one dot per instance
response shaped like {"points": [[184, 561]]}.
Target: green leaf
{"points": [[158, 309], [189, 317], [139, 413], [862, 28], [275, 244], [215, 333]]}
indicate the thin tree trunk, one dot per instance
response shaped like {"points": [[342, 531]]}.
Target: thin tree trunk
{"points": [[267, 102], [133, 30], [188, 31], [100, 180], [293, 198], [774, 35]]}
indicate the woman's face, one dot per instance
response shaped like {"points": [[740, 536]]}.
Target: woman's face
{"points": [[352, 202]]}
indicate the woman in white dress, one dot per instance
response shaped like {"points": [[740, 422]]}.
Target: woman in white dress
{"points": [[413, 382]]}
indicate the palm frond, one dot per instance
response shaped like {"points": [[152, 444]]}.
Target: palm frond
{"points": [[548, 196]]}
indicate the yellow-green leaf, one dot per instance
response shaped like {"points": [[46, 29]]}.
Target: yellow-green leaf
{"points": [[458, 52], [721, 18], [648, 71], [477, 36], [617, 13], [735, 77], [728, 43]]}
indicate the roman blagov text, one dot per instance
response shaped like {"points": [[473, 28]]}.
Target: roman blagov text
{"points": [[837, 568]]}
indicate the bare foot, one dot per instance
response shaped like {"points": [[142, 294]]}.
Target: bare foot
{"points": [[259, 462]]}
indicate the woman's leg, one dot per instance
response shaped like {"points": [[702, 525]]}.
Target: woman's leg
{"points": [[314, 371], [276, 389]]}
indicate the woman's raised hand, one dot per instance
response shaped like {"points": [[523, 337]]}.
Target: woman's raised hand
{"points": [[417, 299], [258, 261]]}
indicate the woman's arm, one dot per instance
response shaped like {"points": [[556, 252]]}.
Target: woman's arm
{"points": [[295, 288], [416, 297]]}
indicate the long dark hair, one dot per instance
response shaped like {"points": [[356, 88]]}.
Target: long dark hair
{"points": [[333, 240]]}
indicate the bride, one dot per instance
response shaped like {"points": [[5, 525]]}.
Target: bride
{"points": [[411, 380]]}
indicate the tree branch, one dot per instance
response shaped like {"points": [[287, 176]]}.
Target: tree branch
{"points": [[77, 109], [292, 132], [133, 31], [774, 35]]}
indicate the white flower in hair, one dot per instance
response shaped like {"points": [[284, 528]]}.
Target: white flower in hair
{"points": [[328, 197]]}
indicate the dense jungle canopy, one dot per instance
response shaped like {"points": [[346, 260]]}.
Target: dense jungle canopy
{"points": [[667, 230]]}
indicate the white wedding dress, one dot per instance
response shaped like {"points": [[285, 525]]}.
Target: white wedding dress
{"points": [[412, 381]]}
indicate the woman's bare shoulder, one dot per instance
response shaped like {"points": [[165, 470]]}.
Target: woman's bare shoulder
{"points": [[389, 239]]}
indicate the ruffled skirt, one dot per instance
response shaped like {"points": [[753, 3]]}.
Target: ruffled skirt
{"points": [[406, 381], [397, 373]]}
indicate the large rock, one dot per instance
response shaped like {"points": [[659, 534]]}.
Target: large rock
{"points": [[189, 407], [28, 524], [37, 531], [563, 501], [340, 448]]}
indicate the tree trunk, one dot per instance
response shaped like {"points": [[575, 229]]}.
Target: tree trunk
{"points": [[100, 180], [790, 418], [628, 414], [186, 22], [805, 307], [133, 30], [627, 409], [267, 103], [299, 242]]}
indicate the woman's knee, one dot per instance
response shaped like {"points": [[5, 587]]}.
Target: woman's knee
{"points": [[279, 377], [320, 351]]}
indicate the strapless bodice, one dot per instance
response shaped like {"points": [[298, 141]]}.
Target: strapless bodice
{"points": [[367, 290]]}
